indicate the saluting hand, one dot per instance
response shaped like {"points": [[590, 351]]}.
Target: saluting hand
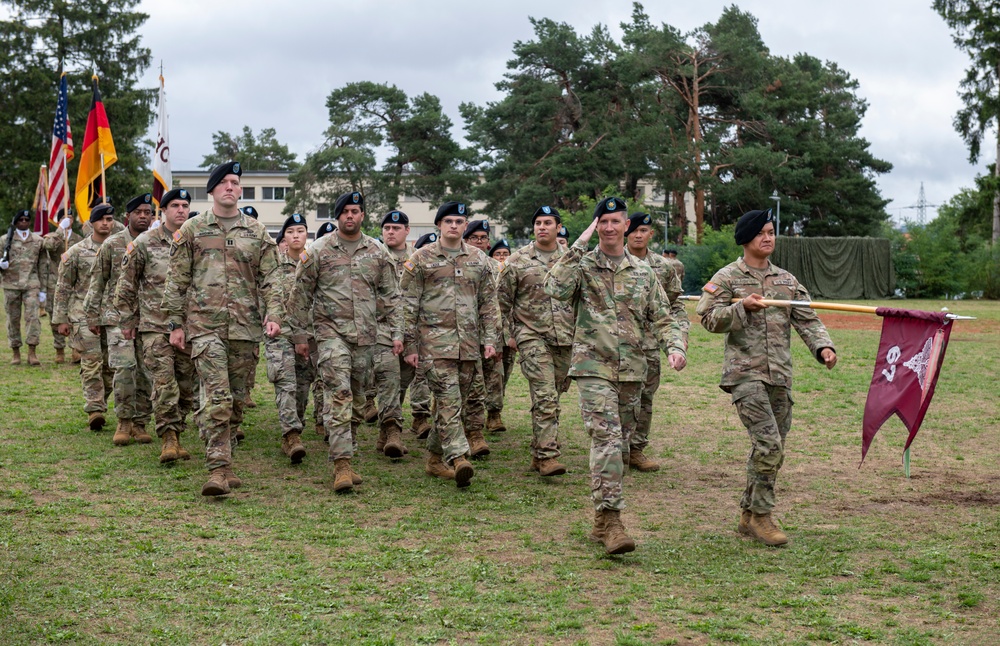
{"points": [[589, 231]]}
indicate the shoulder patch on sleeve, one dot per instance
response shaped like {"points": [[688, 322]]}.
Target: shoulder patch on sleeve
{"points": [[177, 236], [303, 257], [408, 265], [64, 256], [711, 288], [129, 248]]}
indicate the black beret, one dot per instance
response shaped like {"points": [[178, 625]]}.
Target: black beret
{"points": [[175, 194], [750, 224], [500, 244], [137, 201], [425, 239], [220, 171], [193, 213], [101, 210], [250, 212], [293, 220], [637, 220], [325, 228], [345, 199], [546, 210], [672, 250], [24, 213], [609, 205], [474, 226], [395, 217], [563, 232], [450, 208]]}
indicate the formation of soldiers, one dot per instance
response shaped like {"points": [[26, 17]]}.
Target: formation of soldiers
{"points": [[169, 314]]}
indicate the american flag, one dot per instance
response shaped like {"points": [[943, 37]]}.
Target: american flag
{"points": [[62, 152]]}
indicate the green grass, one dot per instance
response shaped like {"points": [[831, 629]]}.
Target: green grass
{"points": [[101, 545]]}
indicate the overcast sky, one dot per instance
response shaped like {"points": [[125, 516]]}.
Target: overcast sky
{"points": [[272, 64]]}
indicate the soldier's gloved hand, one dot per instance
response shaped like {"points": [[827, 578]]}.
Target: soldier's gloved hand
{"points": [[41, 297], [4, 264], [65, 223]]}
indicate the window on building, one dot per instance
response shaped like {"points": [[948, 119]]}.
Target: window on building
{"points": [[249, 193], [199, 193], [323, 211], [277, 193]]}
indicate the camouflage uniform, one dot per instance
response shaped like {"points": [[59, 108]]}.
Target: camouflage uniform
{"points": [[214, 282], [671, 284], [450, 312], [290, 374], [616, 306], [53, 246], [131, 383], [22, 280], [335, 300], [757, 369], [74, 280], [138, 299], [388, 368], [543, 329], [678, 269]]}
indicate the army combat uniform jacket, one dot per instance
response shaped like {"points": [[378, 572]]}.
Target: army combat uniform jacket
{"points": [[139, 293], [28, 269], [74, 280], [528, 312], [99, 304]]}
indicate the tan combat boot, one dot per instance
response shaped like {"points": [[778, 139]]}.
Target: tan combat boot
{"points": [[291, 445], [355, 477], [477, 444], [239, 434], [762, 528], [32, 357], [597, 532], [321, 430], [380, 442], [168, 450], [637, 460], [494, 424], [437, 468], [15, 358], [370, 412], [232, 479], [139, 433], [249, 402], [96, 420], [463, 471], [217, 484], [342, 480], [75, 357], [616, 541], [123, 433], [421, 426], [548, 467], [393, 447], [60, 355], [744, 525], [182, 453]]}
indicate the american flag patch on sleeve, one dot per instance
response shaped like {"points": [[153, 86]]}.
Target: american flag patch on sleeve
{"points": [[408, 265], [177, 236], [711, 288]]}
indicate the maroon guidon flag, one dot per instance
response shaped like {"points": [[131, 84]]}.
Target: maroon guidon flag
{"points": [[909, 361]]}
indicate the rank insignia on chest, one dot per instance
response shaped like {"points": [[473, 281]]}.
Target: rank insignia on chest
{"points": [[230, 242], [711, 288], [458, 272]]}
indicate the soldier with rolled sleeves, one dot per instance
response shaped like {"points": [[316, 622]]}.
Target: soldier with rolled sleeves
{"points": [[540, 329], [54, 244], [640, 230], [449, 291], [138, 297], [618, 301], [131, 383], [221, 264], [757, 368], [338, 284], [23, 271], [68, 313]]}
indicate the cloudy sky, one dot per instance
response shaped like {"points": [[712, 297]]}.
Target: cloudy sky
{"points": [[271, 64]]}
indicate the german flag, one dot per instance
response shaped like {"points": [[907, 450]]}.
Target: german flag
{"points": [[98, 155]]}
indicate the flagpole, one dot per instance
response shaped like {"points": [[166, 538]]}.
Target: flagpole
{"points": [[819, 305]]}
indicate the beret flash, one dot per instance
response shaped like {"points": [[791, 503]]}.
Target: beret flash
{"points": [[563, 232], [250, 212], [546, 210], [395, 217], [425, 239], [23, 214]]}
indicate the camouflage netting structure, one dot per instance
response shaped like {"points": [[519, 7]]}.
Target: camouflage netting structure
{"points": [[857, 268]]}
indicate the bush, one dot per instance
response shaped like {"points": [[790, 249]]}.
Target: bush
{"points": [[718, 249]]}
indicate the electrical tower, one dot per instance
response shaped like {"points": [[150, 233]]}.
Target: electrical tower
{"points": [[922, 207]]}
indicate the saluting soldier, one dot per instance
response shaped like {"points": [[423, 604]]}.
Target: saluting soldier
{"points": [[337, 285], [640, 230], [131, 384], [54, 244], [757, 369], [138, 299], [449, 290], [24, 271], [618, 301], [221, 263], [69, 315], [540, 329]]}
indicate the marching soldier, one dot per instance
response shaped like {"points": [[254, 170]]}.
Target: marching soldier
{"points": [[54, 244], [24, 272], [138, 297], [220, 264], [414, 379], [131, 384], [68, 313], [618, 300], [757, 369]]}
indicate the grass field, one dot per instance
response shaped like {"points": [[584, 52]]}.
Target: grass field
{"points": [[100, 544]]}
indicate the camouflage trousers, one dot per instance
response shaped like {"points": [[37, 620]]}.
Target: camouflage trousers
{"points": [[223, 367], [95, 374], [496, 374], [343, 368], [319, 399], [386, 379], [609, 410], [766, 412], [305, 378], [640, 438], [171, 372], [252, 377], [58, 340], [456, 413], [545, 367], [414, 379], [131, 383], [282, 372], [14, 300]]}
